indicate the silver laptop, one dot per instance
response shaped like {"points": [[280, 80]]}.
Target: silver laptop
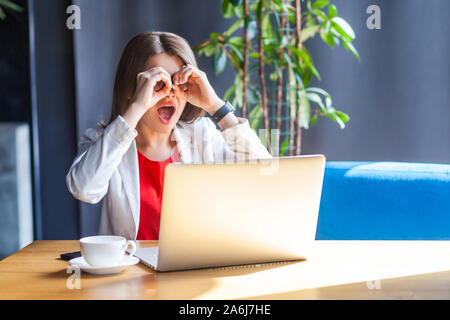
{"points": [[216, 215]]}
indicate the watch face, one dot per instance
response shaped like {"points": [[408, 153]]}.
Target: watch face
{"points": [[231, 106]]}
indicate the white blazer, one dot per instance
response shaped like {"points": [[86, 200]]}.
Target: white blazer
{"points": [[106, 166]]}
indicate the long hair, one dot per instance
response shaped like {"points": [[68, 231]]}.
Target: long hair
{"points": [[135, 59]]}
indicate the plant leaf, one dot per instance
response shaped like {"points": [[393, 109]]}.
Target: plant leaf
{"points": [[298, 77], [284, 146], [302, 55], [238, 98], [210, 49], [254, 55], [314, 97], [252, 29], [259, 10], [236, 41], [343, 28], [332, 11], [304, 109], [269, 35], [314, 119], [326, 39], [327, 34], [315, 72], [227, 9], [287, 58], [239, 11], [308, 32], [328, 102], [224, 6], [292, 94], [10, 6], [322, 17], [277, 69], [273, 76], [236, 51], [255, 117], [229, 93], [320, 3], [280, 6], [343, 116], [335, 118], [214, 35], [236, 25], [219, 60], [319, 91], [252, 95], [305, 75], [284, 41], [236, 2], [349, 46]]}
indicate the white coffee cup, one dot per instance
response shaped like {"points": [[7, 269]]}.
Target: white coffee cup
{"points": [[104, 251]]}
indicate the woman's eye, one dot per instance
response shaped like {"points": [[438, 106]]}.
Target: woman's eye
{"points": [[159, 86], [184, 87]]}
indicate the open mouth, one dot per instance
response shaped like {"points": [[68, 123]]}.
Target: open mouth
{"points": [[165, 113]]}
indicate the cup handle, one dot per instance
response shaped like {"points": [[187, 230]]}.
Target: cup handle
{"points": [[133, 247]]}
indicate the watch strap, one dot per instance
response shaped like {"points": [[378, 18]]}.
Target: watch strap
{"points": [[222, 112]]}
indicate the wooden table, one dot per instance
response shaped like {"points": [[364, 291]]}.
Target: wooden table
{"points": [[335, 270]]}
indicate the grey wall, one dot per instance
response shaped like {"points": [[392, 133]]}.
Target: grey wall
{"points": [[398, 96]]}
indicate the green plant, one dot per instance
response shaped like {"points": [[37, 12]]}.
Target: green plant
{"points": [[271, 45], [8, 5]]}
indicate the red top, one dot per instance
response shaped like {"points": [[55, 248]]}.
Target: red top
{"points": [[151, 179]]}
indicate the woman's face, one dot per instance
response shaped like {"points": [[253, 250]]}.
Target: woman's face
{"points": [[163, 116]]}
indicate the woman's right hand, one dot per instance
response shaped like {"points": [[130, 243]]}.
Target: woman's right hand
{"points": [[151, 86]]}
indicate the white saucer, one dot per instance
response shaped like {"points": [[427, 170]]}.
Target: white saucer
{"points": [[84, 266]]}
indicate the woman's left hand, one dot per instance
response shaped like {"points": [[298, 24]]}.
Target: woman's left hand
{"points": [[193, 86]]}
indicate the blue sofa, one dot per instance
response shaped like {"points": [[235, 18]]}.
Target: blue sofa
{"points": [[385, 201]]}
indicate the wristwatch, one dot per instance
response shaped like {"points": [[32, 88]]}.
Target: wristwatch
{"points": [[222, 112]]}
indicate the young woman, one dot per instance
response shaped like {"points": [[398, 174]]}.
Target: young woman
{"points": [[158, 117]]}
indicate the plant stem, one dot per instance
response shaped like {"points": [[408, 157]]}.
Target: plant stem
{"points": [[292, 98], [261, 75], [245, 74], [298, 30], [292, 105], [280, 77], [279, 100]]}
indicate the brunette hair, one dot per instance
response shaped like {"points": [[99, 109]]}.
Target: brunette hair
{"points": [[135, 59]]}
